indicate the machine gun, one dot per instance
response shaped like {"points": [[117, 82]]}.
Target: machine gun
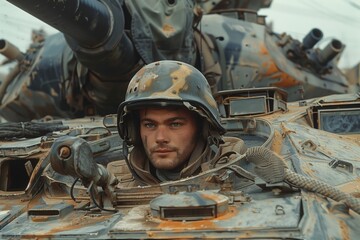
{"points": [[315, 59], [85, 69]]}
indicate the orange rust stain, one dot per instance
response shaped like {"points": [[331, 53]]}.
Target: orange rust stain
{"points": [[270, 67], [352, 187], [40, 218], [274, 72], [286, 131], [277, 142], [344, 230], [263, 50], [168, 29], [79, 222], [286, 81], [197, 225]]}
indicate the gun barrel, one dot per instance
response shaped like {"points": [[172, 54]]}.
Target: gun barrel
{"points": [[94, 30], [88, 22], [330, 51], [313, 37], [10, 51]]}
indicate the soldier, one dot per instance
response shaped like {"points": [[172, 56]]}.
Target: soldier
{"points": [[171, 120]]}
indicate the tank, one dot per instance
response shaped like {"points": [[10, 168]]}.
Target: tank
{"points": [[84, 69], [299, 178]]}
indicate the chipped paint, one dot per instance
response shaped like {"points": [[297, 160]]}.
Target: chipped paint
{"points": [[352, 187], [344, 230], [168, 30], [179, 83], [210, 100]]}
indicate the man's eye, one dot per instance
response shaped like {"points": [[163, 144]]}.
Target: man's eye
{"points": [[149, 125], [176, 124]]}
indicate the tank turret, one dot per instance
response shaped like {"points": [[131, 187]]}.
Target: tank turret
{"points": [[10, 51], [85, 69]]}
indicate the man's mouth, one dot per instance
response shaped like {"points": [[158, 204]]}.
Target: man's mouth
{"points": [[162, 150]]}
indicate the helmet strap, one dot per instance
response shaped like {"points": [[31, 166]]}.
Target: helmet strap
{"points": [[212, 137], [126, 154]]}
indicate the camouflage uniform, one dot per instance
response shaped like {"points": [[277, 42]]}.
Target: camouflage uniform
{"points": [[171, 83]]}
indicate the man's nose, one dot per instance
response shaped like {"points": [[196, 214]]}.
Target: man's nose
{"points": [[161, 135]]}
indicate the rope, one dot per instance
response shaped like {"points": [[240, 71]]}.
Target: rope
{"points": [[322, 188], [28, 129]]}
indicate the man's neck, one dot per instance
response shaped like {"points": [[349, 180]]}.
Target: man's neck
{"points": [[165, 175]]}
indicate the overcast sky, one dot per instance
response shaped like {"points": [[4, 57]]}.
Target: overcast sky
{"points": [[338, 19]]}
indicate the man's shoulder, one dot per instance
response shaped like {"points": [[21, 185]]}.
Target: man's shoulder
{"points": [[122, 172]]}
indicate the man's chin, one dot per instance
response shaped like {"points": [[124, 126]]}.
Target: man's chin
{"points": [[159, 164], [165, 167]]}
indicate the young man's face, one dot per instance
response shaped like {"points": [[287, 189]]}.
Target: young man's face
{"points": [[169, 136]]}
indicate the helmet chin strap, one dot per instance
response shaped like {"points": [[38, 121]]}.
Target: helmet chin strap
{"points": [[213, 138], [126, 154]]}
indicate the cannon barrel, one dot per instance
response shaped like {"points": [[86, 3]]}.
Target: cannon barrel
{"points": [[330, 51], [94, 30], [10, 51], [313, 37], [74, 18]]}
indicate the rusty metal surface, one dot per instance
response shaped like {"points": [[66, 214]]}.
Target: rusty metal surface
{"points": [[83, 195]]}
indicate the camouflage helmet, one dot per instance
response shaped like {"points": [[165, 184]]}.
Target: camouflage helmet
{"points": [[167, 83]]}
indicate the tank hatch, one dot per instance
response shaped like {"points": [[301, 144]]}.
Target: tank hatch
{"points": [[251, 101], [189, 206], [49, 212], [340, 116]]}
